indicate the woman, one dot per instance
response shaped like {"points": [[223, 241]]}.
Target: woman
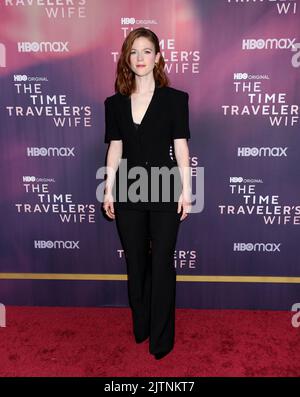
{"points": [[147, 126]]}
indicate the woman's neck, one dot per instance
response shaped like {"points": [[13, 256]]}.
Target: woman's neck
{"points": [[144, 86]]}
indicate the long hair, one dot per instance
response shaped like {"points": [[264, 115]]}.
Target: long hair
{"points": [[125, 80]]}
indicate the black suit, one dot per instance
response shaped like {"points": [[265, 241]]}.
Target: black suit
{"points": [[151, 278], [166, 119]]}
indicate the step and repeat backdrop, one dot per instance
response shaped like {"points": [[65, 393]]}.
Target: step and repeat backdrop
{"points": [[240, 63]]}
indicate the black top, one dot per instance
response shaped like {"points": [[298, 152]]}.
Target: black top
{"points": [[148, 144]]}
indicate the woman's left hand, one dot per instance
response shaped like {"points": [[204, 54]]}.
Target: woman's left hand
{"points": [[184, 204]]}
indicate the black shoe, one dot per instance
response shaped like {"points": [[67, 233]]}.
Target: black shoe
{"points": [[158, 356], [138, 340]]}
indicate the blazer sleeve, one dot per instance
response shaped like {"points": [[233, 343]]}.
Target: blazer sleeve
{"points": [[180, 125], [112, 131]]}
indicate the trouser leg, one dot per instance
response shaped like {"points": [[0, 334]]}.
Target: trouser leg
{"points": [[134, 234], [163, 231]]}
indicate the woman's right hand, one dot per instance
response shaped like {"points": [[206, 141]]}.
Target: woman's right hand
{"points": [[108, 205]]}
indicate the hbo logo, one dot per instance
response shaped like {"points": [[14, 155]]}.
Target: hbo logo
{"points": [[20, 77], [236, 179], [240, 76], [29, 178], [127, 21]]}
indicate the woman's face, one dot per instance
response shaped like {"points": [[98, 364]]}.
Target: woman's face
{"points": [[143, 53]]}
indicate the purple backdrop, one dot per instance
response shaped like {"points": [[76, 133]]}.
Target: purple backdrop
{"points": [[238, 61]]}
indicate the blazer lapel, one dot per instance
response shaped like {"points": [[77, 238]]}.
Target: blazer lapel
{"points": [[147, 116]]}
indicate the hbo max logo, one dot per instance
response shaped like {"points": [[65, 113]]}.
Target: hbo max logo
{"points": [[56, 244], [262, 151], [257, 247], [56, 46], [262, 44], [50, 152]]}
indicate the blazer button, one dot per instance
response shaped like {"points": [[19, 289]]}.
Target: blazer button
{"points": [[146, 162]]}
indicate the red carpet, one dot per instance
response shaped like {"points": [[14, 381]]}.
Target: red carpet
{"points": [[43, 341]]}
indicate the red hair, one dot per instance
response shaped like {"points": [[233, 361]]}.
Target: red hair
{"points": [[125, 80]]}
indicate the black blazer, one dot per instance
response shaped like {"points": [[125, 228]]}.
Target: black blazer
{"points": [[151, 144]]}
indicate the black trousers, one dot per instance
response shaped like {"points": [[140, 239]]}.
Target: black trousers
{"points": [[149, 240]]}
